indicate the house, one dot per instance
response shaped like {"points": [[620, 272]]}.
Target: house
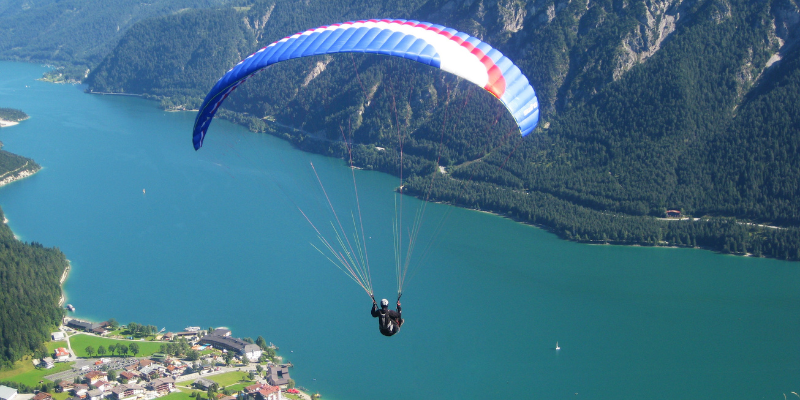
{"points": [[263, 391], [7, 393], [64, 386], [95, 394], [102, 385], [252, 389], [176, 370], [80, 390], [168, 336], [158, 357], [61, 354], [121, 392], [163, 385], [82, 325], [43, 396], [278, 375], [145, 362], [58, 335], [221, 332], [673, 214], [190, 336], [204, 384], [269, 393], [47, 363], [94, 376], [148, 371], [252, 351], [100, 331], [131, 377]]}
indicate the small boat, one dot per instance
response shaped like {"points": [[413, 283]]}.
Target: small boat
{"points": [[557, 348]]}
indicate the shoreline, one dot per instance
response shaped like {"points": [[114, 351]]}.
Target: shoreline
{"points": [[600, 242], [6, 124], [17, 174], [116, 94], [63, 279]]}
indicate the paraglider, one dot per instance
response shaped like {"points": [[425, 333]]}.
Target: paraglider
{"points": [[389, 321], [434, 45]]}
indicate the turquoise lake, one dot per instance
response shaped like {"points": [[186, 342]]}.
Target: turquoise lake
{"points": [[217, 240]]}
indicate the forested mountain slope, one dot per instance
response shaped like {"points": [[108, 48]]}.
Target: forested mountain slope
{"points": [[29, 294], [647, 106], [76, 31]]}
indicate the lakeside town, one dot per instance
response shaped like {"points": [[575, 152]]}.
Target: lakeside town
{"points": [[96, 361]]}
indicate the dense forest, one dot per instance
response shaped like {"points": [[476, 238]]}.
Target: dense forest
{"points": [[29, 294], [76, 32], [11, 162], [12, 114]]}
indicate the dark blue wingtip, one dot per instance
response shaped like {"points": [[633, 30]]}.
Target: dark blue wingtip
{"points": [[197, 141]]}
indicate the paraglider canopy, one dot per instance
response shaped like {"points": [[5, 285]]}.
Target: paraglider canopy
{"points": [[434, 45]]}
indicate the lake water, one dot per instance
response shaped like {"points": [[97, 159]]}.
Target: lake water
{"points": [[217, 240]]}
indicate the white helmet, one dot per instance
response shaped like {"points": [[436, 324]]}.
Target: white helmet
{"points": [[384, 303]]}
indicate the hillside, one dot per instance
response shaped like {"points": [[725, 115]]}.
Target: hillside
{"points": [[12, 115], [73, 32], [29, 293], [647, 106]]}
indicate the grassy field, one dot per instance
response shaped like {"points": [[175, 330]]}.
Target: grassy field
{"points": [[177, 396], [80, 342], [52, 346], [20, 367], [230, 378], [25, 372], [60, 396], [239, 386]]}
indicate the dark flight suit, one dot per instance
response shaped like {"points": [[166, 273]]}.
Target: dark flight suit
{"points": [[389, 321]]}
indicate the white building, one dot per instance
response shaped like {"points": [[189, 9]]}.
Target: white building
{"points": [[47, 363], [58, 335], [61, 354], [7, 393]]}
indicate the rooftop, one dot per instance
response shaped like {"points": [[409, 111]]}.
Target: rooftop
{"points": [[221, 332], [7, 392], [230, 343], [42, 396]]}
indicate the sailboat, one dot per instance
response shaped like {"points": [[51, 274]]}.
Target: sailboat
{"points": [[557, 348]]}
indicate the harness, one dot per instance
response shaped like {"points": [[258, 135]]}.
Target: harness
{"points": [[388, 323]]}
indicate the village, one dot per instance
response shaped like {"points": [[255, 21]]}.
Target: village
{"points": [[194, 364]]}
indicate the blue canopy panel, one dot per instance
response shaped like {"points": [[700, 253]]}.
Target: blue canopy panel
{"points": [[434, 45]]}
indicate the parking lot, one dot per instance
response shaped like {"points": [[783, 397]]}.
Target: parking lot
{"points": [[85, 365]]}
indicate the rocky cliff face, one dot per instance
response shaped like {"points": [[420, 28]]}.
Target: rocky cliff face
{"points": [[257, 21], [655, 25], [785, 22], [511, 15]]}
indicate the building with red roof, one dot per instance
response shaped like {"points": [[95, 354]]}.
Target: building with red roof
{"points": [[61, 354], [269, 393]]}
